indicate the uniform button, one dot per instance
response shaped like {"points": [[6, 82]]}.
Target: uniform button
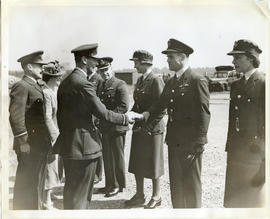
{"points": [[109, 96], [172, 91], [102, 92], [238, 96], [255, 137], [149, 133], [248, 99], [101, 100], [143, 92], [33, 130], [236, 107], [171, 100], [182, 94]]}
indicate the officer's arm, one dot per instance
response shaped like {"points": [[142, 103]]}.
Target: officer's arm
{"points": [[122, 99], [99, 109], [201, 110], [17, 107], [156, 91]]}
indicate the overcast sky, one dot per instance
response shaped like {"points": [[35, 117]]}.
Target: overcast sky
{"points": [[120, 30]]}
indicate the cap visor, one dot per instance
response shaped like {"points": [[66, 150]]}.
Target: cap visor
{"points": [[55, 75], [147, 62], [236, 52], [169, 51], [133, 59], [96, 58], [41, 63]]}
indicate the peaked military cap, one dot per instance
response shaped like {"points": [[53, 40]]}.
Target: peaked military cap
{"points": [[34, 57], [53, 69], [89, 50], [104, 62], [143, 56], [177, 46], [247, 47]]}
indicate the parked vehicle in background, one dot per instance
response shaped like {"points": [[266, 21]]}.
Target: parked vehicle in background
{"points": [[223, 78]]}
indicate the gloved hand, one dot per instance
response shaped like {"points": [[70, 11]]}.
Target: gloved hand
{"points": [[257, 145], [194, 154], [259, 178]]}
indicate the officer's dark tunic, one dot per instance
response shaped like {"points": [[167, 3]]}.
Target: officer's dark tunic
{"points": [[187, 102], [26, 117], [245, 143], [146, 155], [78, 142], [114, 95]]}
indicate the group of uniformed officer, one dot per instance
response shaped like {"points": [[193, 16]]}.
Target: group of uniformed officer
{"points": [[83, 97]]}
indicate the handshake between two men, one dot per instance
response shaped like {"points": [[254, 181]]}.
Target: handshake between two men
{"points": [[133, 116]]}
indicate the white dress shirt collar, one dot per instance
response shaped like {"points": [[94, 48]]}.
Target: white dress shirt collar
{"points": [[181, 71], [149, 70], [249, 73]]}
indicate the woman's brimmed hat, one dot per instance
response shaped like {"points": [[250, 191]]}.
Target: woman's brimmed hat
{"points": [[53, 69], [143, 56], [245, 47]]}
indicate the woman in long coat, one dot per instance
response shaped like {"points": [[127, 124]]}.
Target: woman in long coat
{"points": [[146, 156], [52, 77], [245, 174]]}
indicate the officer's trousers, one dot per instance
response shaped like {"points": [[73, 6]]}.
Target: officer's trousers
{"points": [[29, 183], [185, 179], [78, 190], [114, 159]]}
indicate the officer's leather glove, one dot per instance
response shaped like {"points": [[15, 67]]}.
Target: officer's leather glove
{"points": [[192, 156], [259, 178], [257, 145], [25, 148]]}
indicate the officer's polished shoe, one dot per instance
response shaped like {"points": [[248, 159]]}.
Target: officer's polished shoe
{"points": [[136, 200], [112, 192], [103, 190], [153, 203]]}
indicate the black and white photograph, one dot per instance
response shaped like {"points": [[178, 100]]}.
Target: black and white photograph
{"points": [[135, 109]]}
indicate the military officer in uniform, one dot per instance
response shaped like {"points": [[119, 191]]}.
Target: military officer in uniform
{"points": [[146, 153], [245, 174], [31, 136], [114, 95], [186, 97], [78, 142]]}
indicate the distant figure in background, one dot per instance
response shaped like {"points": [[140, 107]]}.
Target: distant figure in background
{"points": [[114, 95], [146, 153], [245, 174], [51, 74], [31, 137]]}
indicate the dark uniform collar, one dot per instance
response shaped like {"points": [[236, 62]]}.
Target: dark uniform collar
{"points": [[38, 84]]}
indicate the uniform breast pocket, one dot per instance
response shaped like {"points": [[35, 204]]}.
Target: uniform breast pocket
{"points": [[110, 93], [182, 93], [90, 142]]}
